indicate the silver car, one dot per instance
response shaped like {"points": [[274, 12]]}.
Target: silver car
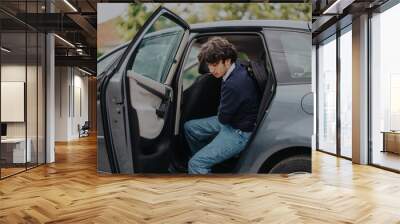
{"points": [[149, 87]]}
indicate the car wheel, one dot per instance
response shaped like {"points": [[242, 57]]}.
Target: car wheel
{"points": [[294, 164]]}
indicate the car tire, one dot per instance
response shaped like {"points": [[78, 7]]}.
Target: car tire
{"points": [[293, 164]]}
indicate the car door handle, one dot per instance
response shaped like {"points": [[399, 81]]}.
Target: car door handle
{"points": [[165, 98], [164, 106]]}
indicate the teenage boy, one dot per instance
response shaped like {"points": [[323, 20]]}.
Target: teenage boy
{"points": [[237, 111]]}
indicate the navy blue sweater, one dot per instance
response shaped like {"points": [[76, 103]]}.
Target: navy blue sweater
{"points": [[239, 101]]}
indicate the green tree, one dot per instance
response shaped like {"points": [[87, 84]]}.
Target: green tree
{"points": [[208, 12], [134, 19]]}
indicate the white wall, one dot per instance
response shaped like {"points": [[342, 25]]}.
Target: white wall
{"points": [[62, 82], [79, 117], [70, 83], [12, 100], [32, 105], [12, 73]]}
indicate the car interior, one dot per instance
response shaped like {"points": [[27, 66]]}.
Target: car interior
{"points": [[201, 94]]}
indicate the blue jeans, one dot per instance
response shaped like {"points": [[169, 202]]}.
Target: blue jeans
{"points": [[226, 142]]}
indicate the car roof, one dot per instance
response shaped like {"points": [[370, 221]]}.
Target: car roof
{"points": [[199, 27], [237, 24], [285, 24]]}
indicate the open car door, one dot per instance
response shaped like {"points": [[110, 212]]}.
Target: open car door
{"points": [[136, 99]]}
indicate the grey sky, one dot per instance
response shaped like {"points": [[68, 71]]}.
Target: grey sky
{"points": [[106, 11]]}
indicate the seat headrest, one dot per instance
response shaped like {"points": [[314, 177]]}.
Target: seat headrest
{"points": [[203, 68]]}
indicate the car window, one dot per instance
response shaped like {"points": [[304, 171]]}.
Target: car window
{"points": [[191, 67], [157, 50], [109, 59], [291, 55]]}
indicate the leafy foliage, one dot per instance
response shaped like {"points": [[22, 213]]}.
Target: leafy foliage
{"points": [[137, 14]]}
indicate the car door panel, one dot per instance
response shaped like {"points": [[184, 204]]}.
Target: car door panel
{"points": [[147, 96], [135, 101]]}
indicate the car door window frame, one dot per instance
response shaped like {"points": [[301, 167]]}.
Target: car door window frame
{"points": [[192, 39], [172, 53], [114, 99], [116, 54], [133, 47]]}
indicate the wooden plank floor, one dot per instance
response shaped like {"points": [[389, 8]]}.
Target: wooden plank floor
{"points": [[70, 191]]}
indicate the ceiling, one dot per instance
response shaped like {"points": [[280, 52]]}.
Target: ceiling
{"points": [[74, 22], [328, 16]]}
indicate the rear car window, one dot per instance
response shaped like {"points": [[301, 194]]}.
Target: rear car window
{"points": [[291, 55]]}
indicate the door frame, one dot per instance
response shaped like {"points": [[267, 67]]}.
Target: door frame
{"points": [[114, 102], [178, 83]]}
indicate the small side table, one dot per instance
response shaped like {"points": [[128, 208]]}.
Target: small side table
{"points": [[391, 141], [14, 150]]}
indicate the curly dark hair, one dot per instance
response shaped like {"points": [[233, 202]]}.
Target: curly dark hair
{"points": [[217, 49]]}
